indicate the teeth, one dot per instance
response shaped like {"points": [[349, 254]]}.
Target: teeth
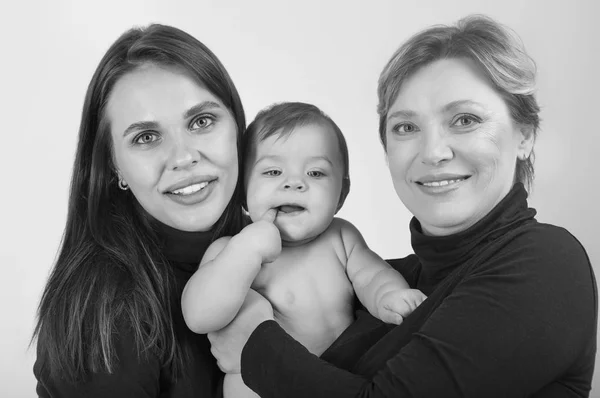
{"points": [[190, 189], [441, 183]]}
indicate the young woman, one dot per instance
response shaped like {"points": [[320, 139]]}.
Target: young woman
{"points": [[155, 181]]}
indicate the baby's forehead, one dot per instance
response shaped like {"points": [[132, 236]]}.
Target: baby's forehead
{"points": [[312, 141]]}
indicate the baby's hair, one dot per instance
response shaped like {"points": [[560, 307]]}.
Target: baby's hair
{"points": [[282, 119]]}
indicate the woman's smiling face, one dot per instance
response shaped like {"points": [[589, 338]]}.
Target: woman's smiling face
{"points": [[175, 145], [452, 145]]}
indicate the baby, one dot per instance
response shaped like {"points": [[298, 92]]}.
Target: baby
{"points": [[306, 262]]}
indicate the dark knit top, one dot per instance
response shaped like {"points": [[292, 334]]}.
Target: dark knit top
{"points": [[137, 378], [511, 312]]}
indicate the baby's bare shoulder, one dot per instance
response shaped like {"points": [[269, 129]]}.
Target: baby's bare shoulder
{"points": [[342, 227], [341, 236], [347, 232], [335, 233]]}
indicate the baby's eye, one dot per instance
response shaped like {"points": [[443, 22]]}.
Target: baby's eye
{"points": [[315, 174], [146, 137], [202, 122], [405, 128], [272, 173]]}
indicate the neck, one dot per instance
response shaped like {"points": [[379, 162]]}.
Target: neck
{"points": [[297, 243], [182, 246]]}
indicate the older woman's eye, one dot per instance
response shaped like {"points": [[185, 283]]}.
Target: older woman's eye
{"points": [[466, 121], [146, 138], [405, 128], [202, 122]]}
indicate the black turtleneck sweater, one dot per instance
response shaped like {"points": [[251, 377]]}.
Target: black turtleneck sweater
{"points": [[511, 312], [137, 378]]}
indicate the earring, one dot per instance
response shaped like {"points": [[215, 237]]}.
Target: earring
{"points": [[123, 185]]}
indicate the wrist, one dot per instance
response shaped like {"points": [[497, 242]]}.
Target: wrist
{"points": [[255, 345], [242, 248], [378, 294]]}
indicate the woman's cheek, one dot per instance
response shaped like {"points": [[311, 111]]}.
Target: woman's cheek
{"points": [[398, 159], [140, 171]]}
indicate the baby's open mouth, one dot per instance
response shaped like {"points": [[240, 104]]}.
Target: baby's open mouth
{"points": [[290, 208]]}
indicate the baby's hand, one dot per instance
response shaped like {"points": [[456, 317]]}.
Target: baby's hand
{"points": [[263, 237], [395, 305]]}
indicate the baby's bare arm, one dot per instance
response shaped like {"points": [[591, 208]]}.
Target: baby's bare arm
{"points": [[380, 288], [214, 294]]}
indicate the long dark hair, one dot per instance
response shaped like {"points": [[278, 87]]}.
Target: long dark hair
{"points": [[109, 271]]}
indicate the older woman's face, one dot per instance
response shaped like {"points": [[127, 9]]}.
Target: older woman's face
{"points": [[452, 145], [175, 145]]}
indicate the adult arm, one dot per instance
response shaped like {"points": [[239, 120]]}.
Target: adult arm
{"points": [[512, 326]]}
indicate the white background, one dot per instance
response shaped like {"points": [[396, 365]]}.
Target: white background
{"points": [[329, 53]]}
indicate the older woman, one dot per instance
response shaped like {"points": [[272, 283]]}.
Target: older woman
{"points": [[154, 182], [511, 308]]}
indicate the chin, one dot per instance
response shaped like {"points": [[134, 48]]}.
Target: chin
{"points": [[193, 227], [299, 236], [292, 236], [446, 224], [192, 224]]}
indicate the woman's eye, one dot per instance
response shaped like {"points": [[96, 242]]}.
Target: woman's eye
{"points": [[146, 138], [405, 128], [202, 122], [315, 174], [465, 121], [272, 173]]}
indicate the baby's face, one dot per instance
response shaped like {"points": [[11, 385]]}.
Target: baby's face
{"points": [[299, 175]]}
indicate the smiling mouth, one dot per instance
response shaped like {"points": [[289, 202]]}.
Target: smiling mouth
{"points": [[190, 189], [442, 183]]}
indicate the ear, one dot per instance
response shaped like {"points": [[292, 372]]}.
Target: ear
{"points": [[118, 176], [343, 193], [526, 136]]}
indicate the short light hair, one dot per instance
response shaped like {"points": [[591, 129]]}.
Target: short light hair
{"points": [[499, 53], [281, 119]]}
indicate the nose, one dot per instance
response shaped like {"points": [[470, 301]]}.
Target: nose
{"points": [[435, 148], [294, 184], [183, 155]]}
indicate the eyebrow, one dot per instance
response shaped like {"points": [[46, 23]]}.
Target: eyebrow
{"points": [[201, 107], [325, 158], [406, 113], [150, 125], [279, 158], [139, 126], [455, 104], [266, 157]]}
